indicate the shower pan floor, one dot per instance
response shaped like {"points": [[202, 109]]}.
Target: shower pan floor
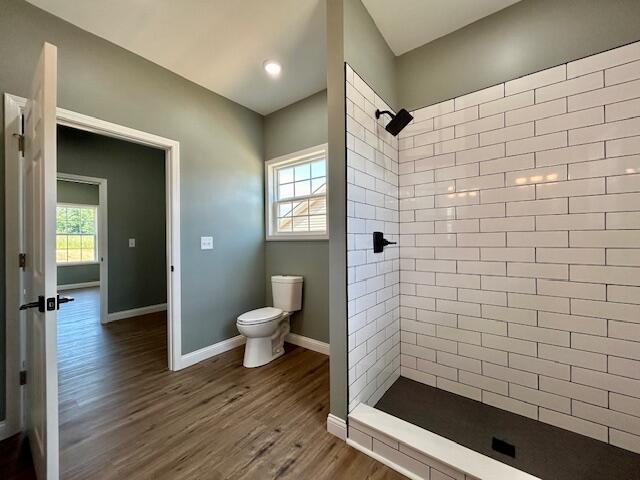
{"points": [[542, 450]]}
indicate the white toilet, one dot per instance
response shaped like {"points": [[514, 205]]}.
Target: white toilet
{"points": [[265, 328]]}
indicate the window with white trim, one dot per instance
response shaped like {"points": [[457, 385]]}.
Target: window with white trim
{"points": [[296, 196], [76, 234]]}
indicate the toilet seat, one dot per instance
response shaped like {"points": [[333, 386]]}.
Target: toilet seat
{"points": [[260, 315]]}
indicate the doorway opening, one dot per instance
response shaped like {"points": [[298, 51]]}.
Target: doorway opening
{"points": [[82, 236], [110, 253], [111, 223]]}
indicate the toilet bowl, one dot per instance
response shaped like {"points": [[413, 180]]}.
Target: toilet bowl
{"points": [[266, 328]]}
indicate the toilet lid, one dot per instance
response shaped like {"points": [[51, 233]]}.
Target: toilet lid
{"points": [[261, 315]]}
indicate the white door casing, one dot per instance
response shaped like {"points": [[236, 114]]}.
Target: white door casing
{"points": [[14, 344], [40, 272], [14, 179]]}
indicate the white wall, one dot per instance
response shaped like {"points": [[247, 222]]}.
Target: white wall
{"points": [[520, 246], [373, 279]]}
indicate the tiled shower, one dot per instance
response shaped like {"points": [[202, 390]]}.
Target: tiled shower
{"points": [[516, 279], [373, 279]]}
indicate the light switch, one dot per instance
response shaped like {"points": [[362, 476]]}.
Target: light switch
{"points": [[206, 243], [132, 243]]}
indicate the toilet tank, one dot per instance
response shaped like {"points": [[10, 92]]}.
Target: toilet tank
{"points": [[287, 292]]}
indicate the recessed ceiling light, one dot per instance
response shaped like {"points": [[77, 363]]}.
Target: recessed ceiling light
{"points": [[272, 67]]}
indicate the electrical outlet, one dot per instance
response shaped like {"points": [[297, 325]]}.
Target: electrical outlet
{"points": [[206, 243], [132, 243]]}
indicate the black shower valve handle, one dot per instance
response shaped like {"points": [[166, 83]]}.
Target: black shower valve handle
{"points": [[386, 242], [379, 242]]}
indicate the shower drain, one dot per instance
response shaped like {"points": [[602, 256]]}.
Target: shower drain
{"points": [[503, 447]]}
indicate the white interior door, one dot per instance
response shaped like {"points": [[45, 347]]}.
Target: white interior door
{"points": [[40, 272]]}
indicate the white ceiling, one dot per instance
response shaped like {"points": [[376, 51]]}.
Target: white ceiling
{"points": [[408, 24], [219, 44]]}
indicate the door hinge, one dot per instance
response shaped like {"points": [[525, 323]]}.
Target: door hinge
{"points": [[23, 377], [20, 138], [22, 260], [172, 268]]}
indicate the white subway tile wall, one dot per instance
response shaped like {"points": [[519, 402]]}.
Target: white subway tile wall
{"points": [[372, 205], [519, 246]]}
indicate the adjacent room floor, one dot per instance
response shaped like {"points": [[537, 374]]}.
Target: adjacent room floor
{"points": [[540, 449], [124, 415]]}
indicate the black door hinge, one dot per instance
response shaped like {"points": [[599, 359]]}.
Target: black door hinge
{"points": [[20, 142], [23, 377], [172, 268], [22, 260]]}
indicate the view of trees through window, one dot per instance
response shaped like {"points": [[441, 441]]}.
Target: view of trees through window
{"points": [[76, 234]]}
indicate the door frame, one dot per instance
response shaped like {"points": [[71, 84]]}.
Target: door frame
{"points": [[15, 343], [15, 348], [103, 231]]}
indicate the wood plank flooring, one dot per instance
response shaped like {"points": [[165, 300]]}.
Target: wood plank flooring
{"points": [[15, 459], [123, 415]]}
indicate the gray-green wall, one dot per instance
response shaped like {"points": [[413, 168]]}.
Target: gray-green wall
{"points": [[366, 50], [81, 194], [74, 274], [311, 260], [290, 129], [136, 208], [76, 192], [295, 127], [528, 36], [221, 160], [337, 207]]}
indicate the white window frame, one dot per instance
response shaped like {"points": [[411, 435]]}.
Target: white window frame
{"points": [[96, 210], [270, 204]]}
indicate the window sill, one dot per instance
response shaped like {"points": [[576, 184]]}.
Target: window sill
{"points": [[75, 264], [296, 238]]}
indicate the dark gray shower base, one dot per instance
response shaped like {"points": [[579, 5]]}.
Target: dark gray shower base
{"points": [[542, 450]]}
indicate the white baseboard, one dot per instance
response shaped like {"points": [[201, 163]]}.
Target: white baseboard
{"points": [[233, 342], [308, 343], [337, 426], [75, 286], [211, 351], [136, 312]]}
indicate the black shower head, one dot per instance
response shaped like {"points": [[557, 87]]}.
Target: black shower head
{"points": [[398, 121]]}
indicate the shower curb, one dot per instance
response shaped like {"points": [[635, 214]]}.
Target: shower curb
{"points": [[414, 451]]}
